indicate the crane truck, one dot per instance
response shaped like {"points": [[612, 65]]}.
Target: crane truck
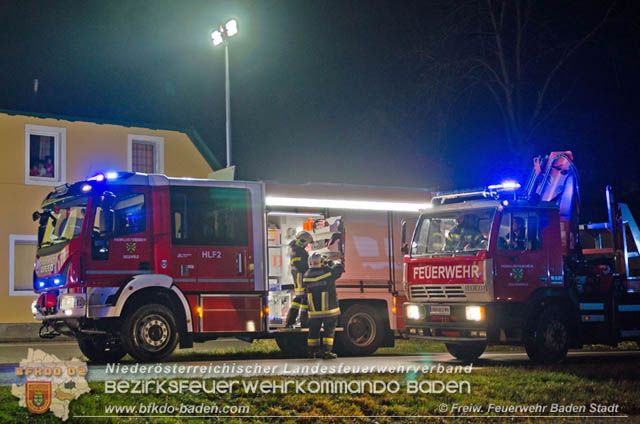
{"points": [[506, 264]]}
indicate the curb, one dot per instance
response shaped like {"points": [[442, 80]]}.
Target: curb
{"points": [[22, 332]]}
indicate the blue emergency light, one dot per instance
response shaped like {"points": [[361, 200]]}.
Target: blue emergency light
{"points": [[505, 185]]}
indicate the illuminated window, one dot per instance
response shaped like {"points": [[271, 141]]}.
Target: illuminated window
{"points": [[22, 253], [145, 154], [44, 155]]}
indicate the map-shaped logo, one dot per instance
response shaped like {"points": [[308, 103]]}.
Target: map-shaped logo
{"points": [[50, 383]]}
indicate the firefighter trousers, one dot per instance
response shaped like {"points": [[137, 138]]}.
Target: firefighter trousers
{"points": [[329, 325], [298, 305]]}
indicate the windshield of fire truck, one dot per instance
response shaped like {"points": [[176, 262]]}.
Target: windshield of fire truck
{"points": [[453, 232], [64, 222]]}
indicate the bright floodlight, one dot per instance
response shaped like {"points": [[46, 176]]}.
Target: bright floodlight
{"points": [[231, 27], [345, 204], [216, 36]]}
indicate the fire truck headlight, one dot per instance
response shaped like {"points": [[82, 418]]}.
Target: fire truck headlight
{"points": [[34, 309], [475, 313], [67, 302], [71, 302], [413, 312]]}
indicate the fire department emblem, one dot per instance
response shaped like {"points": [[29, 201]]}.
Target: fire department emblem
{"points": [[517, 274], [38, 397], [131, 247]]}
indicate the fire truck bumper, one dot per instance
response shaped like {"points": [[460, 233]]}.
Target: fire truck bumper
{"points": [[65, 306], [449, 321]]}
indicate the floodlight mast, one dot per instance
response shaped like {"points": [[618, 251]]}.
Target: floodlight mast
{"points": [[221, 36]]}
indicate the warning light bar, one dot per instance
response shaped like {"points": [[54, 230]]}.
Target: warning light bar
{"points": [[505, 185]]}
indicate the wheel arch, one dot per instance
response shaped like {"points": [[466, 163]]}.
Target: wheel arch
{"points": [[158, 288]]}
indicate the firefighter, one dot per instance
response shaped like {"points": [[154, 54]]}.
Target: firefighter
{"points": [[320, 286], [465, 235], [518, 239], [299, 265]]}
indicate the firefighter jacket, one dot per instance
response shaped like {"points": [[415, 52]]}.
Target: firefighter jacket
{"points": [[299, 265], [459, 237], [320, 286]]}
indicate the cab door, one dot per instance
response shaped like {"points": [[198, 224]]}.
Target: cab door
{"points": [[520, 262], [121, 239]]}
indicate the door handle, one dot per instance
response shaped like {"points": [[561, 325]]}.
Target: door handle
{"points": [[514, 258], [240, 263]]}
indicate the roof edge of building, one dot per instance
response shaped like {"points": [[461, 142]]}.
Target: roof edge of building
{"points": [[190, 131]]}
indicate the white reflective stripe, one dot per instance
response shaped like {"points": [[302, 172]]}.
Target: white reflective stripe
{"points": [[591, 306], [119, 272], [184, 280], [223, 280]]}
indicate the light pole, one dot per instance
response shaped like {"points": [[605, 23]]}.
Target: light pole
{"points": [[221, 36]]}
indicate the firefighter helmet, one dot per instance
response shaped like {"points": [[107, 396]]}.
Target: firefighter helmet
{"points": [[316, 260], [304, 238]]}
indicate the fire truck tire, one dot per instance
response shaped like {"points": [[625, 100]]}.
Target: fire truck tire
{"points": [[150, 333], [294, 345], [547, 341], [96, 348], [466, 352], [363, 331]]}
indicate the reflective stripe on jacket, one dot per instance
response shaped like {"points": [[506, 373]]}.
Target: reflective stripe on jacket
{"points": [[320, 286]]}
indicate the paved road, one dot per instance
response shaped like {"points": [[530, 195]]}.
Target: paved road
{"points": [[229, 367]]}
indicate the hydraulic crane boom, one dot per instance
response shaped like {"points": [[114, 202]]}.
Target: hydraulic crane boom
{"points": [[554, 178]]}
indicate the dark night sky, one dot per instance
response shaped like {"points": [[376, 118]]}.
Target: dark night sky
{"points": [[321, 91]]}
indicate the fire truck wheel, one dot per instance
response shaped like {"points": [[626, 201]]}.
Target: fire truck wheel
{"points": [[362, 330], [150, 333], [97, 349], [547, 341], [467, 352], [294, 345]]}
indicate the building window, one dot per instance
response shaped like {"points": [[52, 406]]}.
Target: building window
{"points": [[45, 155], [22, 253], [145, 154]]}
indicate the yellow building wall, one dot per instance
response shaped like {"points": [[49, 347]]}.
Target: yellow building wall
{"points": [[90, 148]]}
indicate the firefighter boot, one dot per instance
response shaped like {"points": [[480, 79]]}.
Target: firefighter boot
{"points": [[313, 353], [327, 354]]}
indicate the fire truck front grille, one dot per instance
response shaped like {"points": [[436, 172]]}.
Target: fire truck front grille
{"points": [[435, 292]]}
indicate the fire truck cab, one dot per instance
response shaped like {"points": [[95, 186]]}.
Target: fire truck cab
{"points": [[499, 266], [136, 263]]}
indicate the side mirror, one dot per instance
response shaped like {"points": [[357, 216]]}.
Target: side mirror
{"points": [[35, 216], [108, 221], [108, 200], [405, 247]]}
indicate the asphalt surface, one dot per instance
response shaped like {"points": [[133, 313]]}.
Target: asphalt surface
{"points": [[11, 354]]}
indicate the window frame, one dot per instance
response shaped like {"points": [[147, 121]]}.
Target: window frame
{"points": [[13, 240], [158, 151], [527, 240], [59, 135], [195, 205]]}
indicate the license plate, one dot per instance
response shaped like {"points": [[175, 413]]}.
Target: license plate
{"points": [[439, 310]]}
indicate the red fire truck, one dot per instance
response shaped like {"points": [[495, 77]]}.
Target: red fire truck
{"points": [[511, 265], [135, 263]]}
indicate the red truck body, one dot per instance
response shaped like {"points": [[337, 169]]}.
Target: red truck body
{"points": [[201, 249]]}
